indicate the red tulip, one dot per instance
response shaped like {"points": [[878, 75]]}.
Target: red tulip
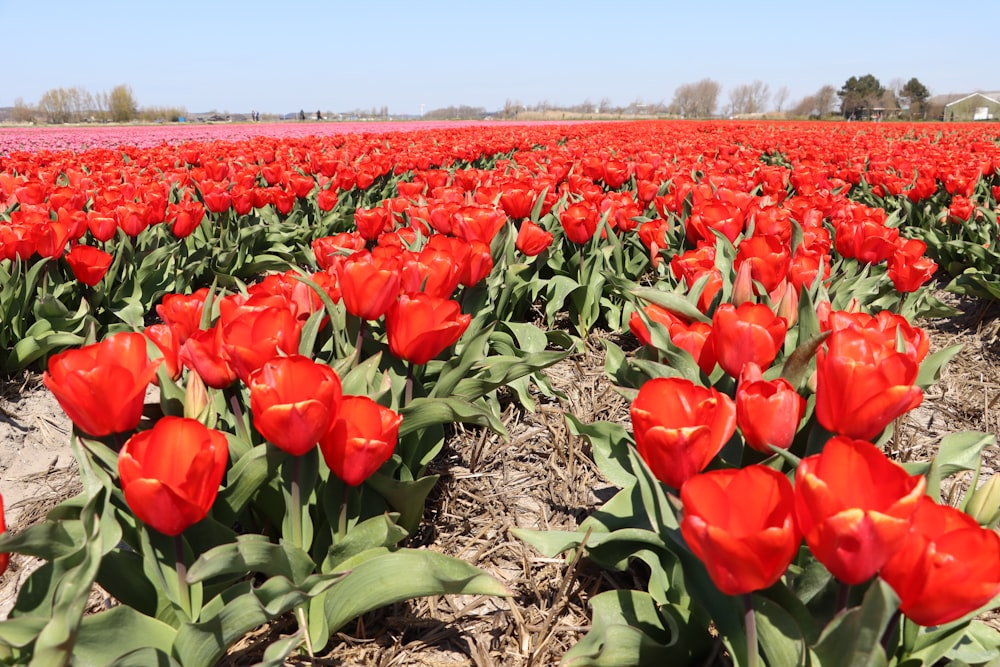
{"points": [[202, 352], [854, 507], [294, 401], [372, 222], [89, 264], [769, 259], [908, 267], [680, 426], [252, 336], [768, 412], [741, 524], [166, 341], [946, 567], [369, 284], [182, 312], [420, 327], [750, 332], [171, 474], [517, 200], [102, 387], [184, 217], [532, 239], [863, 383], [579, 221], [362, 438]]}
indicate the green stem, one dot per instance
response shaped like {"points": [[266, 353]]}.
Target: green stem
{"points": [[750, 623], [296, 508], [182, 585], [342, 522], [843, 594], [409, 383]]}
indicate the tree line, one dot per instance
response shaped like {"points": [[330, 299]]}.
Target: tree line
{"points": [[79, 105]]}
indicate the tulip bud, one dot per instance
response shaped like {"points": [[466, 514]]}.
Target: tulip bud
{"points": [[788, 306], [984, 502], [743, 285], [196, 400]]}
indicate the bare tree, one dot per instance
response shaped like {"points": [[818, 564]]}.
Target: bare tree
{"points": [[696, 100], [748, 98], [54, 104], [22, 112], [780, 97], [825, 97], [605, 105]]}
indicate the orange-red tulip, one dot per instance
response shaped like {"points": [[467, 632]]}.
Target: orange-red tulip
{"points": [[369, 284], [421, 326], [854, 507], [750, 332], [579, 221], [89, 264], [171, 474], [294, 401], [741, 525], [863, 383], [680, 426], [362, 438], [946, 567], [768, 412], [252, 336], [532, 239], [102, 387]]}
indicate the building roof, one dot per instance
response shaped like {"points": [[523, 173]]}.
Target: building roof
{"points": [[951, 98]]}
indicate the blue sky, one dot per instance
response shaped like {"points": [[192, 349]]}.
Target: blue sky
{"points": [[275, 56]]}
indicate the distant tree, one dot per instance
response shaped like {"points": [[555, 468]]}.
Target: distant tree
{"points": [[696, 100], [824, 100], [916, 94], [22, 112], [780, 97], [748, 98], [121, 104], [860, 94], [55, 104], [605, 105]]}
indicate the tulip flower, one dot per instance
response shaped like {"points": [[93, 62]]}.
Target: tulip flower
{"points": [[908, 267], [166, 341], [579, 221], [369, 284], [854, 507], [768, 412], [182, 312], [946, 567], [294, 401], [680, 426], [102, 387], [202, 353], [421, 326], [89, 264], [532, 239], [171, 474], [863, 383], [362, 438], [252, 336], [750, 332], [741, 524]]}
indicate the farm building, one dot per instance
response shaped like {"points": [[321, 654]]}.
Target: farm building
{"points": [[963, 108]]}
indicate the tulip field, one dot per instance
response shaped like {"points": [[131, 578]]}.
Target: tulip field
{"points": [[281, 345]]}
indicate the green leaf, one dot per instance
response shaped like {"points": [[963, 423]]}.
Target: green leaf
{"points": [[958, 452], [979, 645], [253, 553], [630, 629], [146, 657], [778, 634], [672, 301], [610, 443], [242, 608], [930, 367], [406, 497], [378, 531], [853, 638], [423, 412], [402, 575], [112, 634]]}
